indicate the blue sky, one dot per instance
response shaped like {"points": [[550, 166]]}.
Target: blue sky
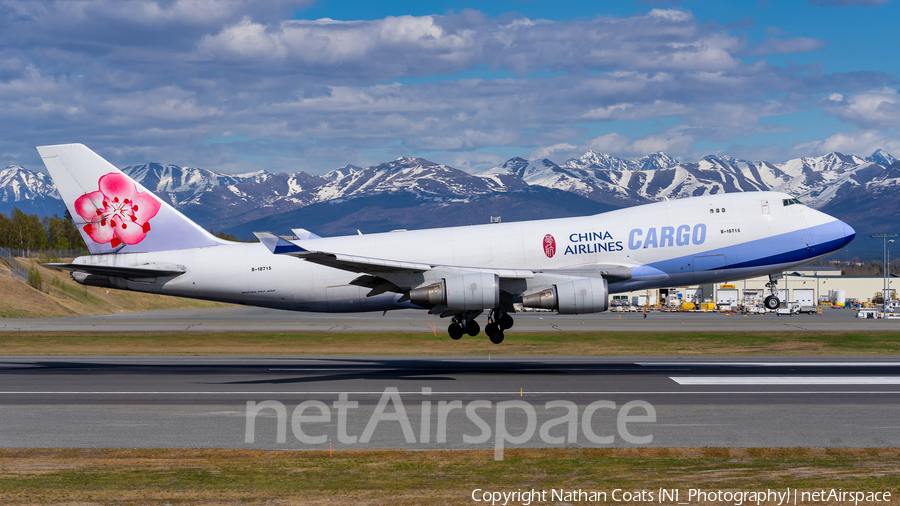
{"points": [[243, 85]]}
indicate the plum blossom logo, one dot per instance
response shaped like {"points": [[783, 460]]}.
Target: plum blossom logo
{"points": [[117, 213], [549, 246]]}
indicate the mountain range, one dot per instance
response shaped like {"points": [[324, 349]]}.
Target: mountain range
{"points": [[416, 193]]}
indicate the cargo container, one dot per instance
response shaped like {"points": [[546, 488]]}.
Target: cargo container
{"points": [[727, 296], [806, 298], [643, 300]]}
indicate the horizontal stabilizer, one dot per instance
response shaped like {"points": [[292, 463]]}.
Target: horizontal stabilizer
{"points": [[277, 244], [302, 233], [120, 272]]}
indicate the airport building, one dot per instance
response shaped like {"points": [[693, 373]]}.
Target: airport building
{"points": [[808, 285]]}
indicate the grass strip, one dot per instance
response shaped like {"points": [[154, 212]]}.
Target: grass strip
{"points": [[398, 477], [363, 343]]}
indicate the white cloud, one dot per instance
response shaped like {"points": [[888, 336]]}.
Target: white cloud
{"points": [[474, 161], [553, 152], [778, 45], [408, 45], [873, 109], [846, 3], [159, 78], [861, 143], [675, 141], [613, 143]]}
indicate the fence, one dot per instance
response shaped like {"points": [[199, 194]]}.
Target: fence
{"points": [[20, 271], [15, 268], [44, 253]]}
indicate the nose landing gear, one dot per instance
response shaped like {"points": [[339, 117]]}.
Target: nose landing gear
{"points": [[772, 302]]}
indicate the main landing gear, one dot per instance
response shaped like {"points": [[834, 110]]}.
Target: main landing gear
{"points": [[498, 321], [772, 302], [464, 323]]}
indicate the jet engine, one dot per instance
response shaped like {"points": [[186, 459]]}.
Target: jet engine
{"points": [[468, 291], [584, 295]]}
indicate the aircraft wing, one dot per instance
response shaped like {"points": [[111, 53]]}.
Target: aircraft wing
{"points": [[611, 273], [368, 265], [121, 272], [426, 284]]}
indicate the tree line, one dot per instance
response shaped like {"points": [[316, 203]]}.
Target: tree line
{"points": [[873, 267], [29, 231]]}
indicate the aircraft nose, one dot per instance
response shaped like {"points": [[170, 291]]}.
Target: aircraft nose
{"points": [[849, 233]]}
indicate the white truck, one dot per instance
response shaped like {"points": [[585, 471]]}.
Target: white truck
{"points": [[790, 309]]}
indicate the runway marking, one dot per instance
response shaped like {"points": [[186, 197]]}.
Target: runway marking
{"points": [[336, 369], [598, 369], [511, 392], [786, 380], [774, 364]]}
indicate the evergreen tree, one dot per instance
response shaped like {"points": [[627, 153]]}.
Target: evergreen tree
{"points": [[28, 232], [56, 233]]}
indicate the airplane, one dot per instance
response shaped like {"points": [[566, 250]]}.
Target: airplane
{"points": [[571, 265]]}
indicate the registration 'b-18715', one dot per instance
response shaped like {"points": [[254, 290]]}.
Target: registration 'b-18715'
{"points": [[572, 265]]}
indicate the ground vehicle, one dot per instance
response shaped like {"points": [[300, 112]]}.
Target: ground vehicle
{"points": [[790, 309], [867, 313]]}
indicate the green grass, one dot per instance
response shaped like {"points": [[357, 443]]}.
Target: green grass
{"points": [[426, 343], [420, 477]]}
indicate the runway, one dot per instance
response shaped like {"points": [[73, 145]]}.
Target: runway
{"points": [[246, 319], [194, 402]]}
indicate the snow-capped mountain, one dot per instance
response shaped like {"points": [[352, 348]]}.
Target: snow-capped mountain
{"points": [[341, 172], [31, 192], [413, 175], [184, 184], [815, 180], [838, 182], [594, 160], [598, 185], [18, 183], [881, 157]]}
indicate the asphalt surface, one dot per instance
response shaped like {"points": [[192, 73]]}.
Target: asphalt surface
{"points": [[192, 402], [246, 319]]}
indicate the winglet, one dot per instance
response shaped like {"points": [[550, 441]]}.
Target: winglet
{"points": [[278, 245]]}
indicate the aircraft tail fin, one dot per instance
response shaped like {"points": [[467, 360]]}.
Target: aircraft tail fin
{"points": [[113, 212]]}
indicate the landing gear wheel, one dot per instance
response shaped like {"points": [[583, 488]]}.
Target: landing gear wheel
{"points": [[495, 334], [772, 302], [506, 322], [455, 331], [473, 328]]}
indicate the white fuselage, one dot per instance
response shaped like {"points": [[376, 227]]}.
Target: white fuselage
{"points": [[673, 243]]}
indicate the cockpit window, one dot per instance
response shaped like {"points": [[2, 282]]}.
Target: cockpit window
{"points": [[790, 202]]}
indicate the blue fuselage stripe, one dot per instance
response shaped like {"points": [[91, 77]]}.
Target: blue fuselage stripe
{"points": [[749, 257]]}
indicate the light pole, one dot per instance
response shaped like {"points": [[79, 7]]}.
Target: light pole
{"points": [[887, 261], [884, 293]]}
